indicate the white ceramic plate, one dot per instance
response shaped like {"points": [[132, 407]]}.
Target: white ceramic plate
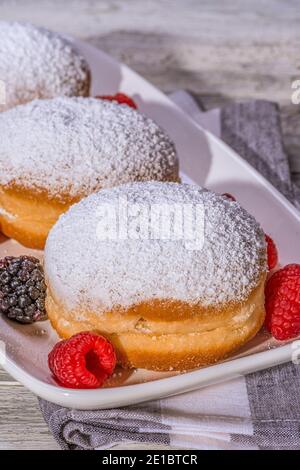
{"points": [[204, 160]]}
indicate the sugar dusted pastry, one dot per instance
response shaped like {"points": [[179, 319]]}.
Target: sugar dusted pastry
{"points": [[164, 304], [37, 63], [55, 152]]}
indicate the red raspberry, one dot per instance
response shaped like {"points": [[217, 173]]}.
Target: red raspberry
{"points": [[277, 279], [271, 252], [120, 98], [85, 360], [229, 196], [282, 302]]}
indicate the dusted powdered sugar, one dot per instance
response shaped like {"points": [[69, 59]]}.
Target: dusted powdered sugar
{"points": [[74, 146], [86, 272], [37, 63]]}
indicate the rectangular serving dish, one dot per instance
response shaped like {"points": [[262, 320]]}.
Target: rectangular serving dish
{"points": [[206, 161]]}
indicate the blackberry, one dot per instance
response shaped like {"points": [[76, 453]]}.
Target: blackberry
{"points": [[22, 289]]}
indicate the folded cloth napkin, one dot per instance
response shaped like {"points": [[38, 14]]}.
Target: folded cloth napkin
{"points": [[259, 411]]}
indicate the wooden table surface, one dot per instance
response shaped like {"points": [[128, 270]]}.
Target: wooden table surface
{"points": [[219, 50]]}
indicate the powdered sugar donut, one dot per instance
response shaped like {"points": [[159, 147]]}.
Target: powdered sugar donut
{"points": [[55, 152], [37, 63], [164, 302]]}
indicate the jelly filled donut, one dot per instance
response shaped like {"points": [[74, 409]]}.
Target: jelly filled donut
{"points": [[167, 299], [37, 63], [55, 152]]}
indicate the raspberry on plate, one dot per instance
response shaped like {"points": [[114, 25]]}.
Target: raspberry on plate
{"points": [[22, 289], [229, 196], [272, 253], [85, 360], [282, 302], [120, 98]]}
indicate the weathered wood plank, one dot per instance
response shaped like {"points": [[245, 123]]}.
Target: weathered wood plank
{"points": [[5, 377], [21, 423]]}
